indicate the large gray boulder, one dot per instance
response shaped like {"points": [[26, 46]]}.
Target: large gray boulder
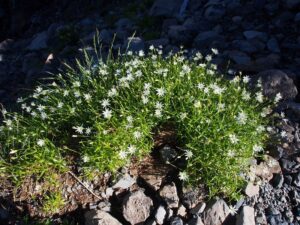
{"points": [[98, 217], [246, 216], [166, 8], [216, 212], [137, 207]]}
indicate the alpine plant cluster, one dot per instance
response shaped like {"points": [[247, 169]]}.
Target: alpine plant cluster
{"points": [[100, 115]]}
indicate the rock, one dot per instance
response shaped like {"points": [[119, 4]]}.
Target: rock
{"points": [[297, 17], [246, 216], [104, 206], [160, 215], [106, 36], [180, 35], [125, 182], [32, 64], [166, 8], [291, 4], [176, 221], [251, 190], [277, 180], [151, 222], [287, 165], [181, 211], [134, 44], [169, 195], [273, 45], [198, 209], [39, 42], [137, 207], [167, 153], [244, 46], [196, 220], [206, 39], [214, 12], [276, 81], [193, 196], [6, 45], [240, 58], [98, 217], [296, 181], [216, 212], [253, 34], [124, 24]]}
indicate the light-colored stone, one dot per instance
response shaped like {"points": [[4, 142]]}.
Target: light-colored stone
{"points": [[252, 190], [137, 207], [124, 182], [169, 194], [99, 217], [216, 212], [39, 42], [181, 211], [246, 216], [198, 209], [160, 215]]}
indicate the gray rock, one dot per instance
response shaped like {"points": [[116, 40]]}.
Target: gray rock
{"points": [[167, 153], [277, 180], [251, 190], [253, 34], [39, 42], [214, 12], [206, 39], [291, 4], [246, 216], [98, 217], [166, 8], [137, 207], [124, 24], [160, 215], [106, 36], [237, 19], [134, 44], [196, 220], [180, 34], [216, 212], [297, 17], [6, 45], [176, 221], [276, 81], [181, 211], [244, 46], [126, 181], [240, 58], [273, 45], [169, 194], [198, 209], [151, 222], [296, 181], [192, 196]]}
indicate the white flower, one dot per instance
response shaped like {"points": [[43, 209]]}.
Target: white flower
{"points": [[233, 139], [78, 129], [86, 159], [186, 69], [76, 84], [87, 97], [260, 128], [145, 100], [151, 47], [77, 94], [197, 104], [232, 210], [123, 154], [105, 103], [208, 58], [241, 118], [39, 89], [245, 95], [231, 153], [183, 176], [246, 79], [88, 131], [158, 105], [188, 154], [112, 92], [129, 53], [183, 116], [236, 79], [66, 93], [217, 89], [8, 122], [160, 92], [257, 148], [137, 135], [278, 97], [107, 114], [138, 73], [206, 90], [43, 115], [147, 86], [200, 86], [60, 105], [283, 133], [131, 149], [41, 142], [221, 106], [158, 113], [215, 51], [141, 53], [259, 97], [129, 119], [41, 107]]}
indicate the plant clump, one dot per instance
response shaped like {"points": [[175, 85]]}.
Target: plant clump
{"points": [[101, 114]]}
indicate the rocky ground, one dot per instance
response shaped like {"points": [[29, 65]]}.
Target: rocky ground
{"points": [[258, 37]]}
